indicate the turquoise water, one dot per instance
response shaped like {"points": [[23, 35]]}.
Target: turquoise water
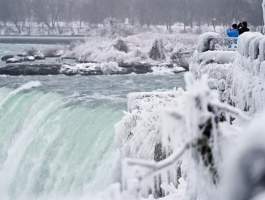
{"points": [[57, 139], [49, 148]]}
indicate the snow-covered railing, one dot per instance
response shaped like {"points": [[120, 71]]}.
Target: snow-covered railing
{"points": [[238, 76], [223, 44], [213, 41], [197, 128]]}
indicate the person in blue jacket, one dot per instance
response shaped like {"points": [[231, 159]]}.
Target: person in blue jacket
{"points": [[232, 32]]}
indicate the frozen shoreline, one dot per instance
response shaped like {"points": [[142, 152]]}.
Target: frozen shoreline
{"points": [[140, 54], [27, 69]]}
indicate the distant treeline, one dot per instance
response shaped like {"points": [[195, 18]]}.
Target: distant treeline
{"points": [[144, 12]]}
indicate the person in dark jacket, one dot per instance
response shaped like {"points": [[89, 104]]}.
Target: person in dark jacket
{"points": [[243, 27]]}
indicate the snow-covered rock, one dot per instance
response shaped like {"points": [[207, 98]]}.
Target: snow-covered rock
{"points": [[91, 68], [13, 60], [6, 57], [39, 57], [29, 58]]}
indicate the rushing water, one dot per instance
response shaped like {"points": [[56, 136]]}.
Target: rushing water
{"points": [[57, 132]]}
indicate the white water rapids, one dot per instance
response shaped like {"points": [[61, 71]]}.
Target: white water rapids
{"points": [[57, 133], [52, 150]]}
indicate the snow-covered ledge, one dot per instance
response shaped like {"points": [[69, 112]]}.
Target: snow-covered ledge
{"points": [[138, 133]]}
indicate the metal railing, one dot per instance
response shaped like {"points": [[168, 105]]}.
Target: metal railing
{"points": [[223, 44]]}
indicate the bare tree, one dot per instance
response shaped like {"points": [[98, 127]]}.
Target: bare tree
{"points": [[53, 14]]}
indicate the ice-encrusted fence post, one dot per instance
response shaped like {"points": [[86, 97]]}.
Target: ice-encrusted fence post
{"points": [[200, 119]]}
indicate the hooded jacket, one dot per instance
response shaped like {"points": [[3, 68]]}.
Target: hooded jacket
{"points": [[243, 30], [232, 33]]}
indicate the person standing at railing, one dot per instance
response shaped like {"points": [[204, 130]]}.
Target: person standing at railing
{"points": [[232, 32], [243, 27]]}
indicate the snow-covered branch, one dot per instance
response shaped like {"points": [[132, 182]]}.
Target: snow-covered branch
{"points": [[157, 166], [231, 110]]}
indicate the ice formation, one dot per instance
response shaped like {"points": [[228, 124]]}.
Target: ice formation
{"points": [[103, 49], [176, 122], [140, 127], [241, 72], [237, 79]]}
